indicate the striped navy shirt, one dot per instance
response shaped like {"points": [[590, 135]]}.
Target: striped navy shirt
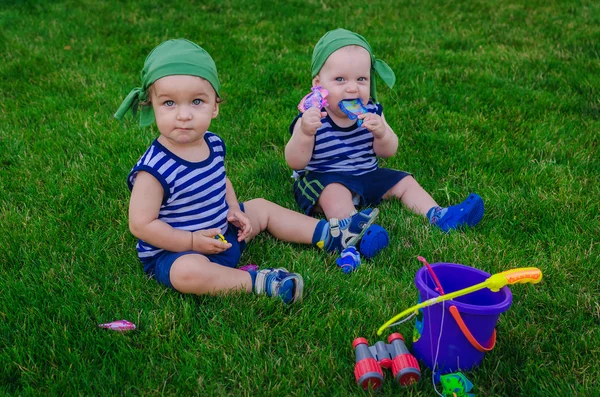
{"points": [[194, 193], [348, 150]]}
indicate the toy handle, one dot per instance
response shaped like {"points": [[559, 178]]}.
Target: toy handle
{"points": [[467, 332], [521, 275]]}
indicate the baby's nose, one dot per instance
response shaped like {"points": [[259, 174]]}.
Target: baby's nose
{"points": [[352, 87], [184, 113]]}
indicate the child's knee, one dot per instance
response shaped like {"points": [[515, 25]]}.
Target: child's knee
{"points": [[258, 207], [336, 201], [257, 202], [187, 271], [404, 185], [335, 192]]}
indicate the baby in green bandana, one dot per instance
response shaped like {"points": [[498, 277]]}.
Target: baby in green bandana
{"points": [[335, 156], [191, 229]]}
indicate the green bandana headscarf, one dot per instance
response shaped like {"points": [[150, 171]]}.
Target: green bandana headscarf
{"points": [[172, 57], [336, 39]]}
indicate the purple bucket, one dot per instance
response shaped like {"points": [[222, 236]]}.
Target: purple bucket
{"points": [[469, 328]]}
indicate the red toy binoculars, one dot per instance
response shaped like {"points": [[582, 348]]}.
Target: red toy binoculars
{"points": [[395, 355]]}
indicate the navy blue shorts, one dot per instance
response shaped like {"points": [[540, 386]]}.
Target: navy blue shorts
{"points": [[229, 258], [369, 188]]}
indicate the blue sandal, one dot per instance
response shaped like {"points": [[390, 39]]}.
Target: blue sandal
{"points": [[468, 213]]}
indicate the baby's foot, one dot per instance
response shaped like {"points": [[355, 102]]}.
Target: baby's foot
{"points": [[348, 231], [279, 283], [468, 213]]}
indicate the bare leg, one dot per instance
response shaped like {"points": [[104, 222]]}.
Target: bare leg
{"points": [[336, 201], [282, 223], [412, 195], [194, 274]]}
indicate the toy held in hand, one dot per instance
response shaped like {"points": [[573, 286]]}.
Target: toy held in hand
{"points": [[353, 108], [221, 238], [316, 98], [119, 325]]}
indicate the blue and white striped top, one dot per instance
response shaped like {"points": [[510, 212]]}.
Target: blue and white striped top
{"points": [[194, 193], [348, 150]]}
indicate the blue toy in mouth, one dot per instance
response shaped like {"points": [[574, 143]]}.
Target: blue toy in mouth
{"points": [[353, 108]]}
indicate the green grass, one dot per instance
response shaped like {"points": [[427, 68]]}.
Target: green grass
{"points": [[497, 97]]}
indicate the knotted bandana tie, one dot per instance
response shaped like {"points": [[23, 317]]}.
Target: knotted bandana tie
{"points": [[173, 57]]}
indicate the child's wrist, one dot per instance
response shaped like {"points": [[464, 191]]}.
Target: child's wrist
{"points": [[302, 128], [382, 136], [234, 206], [307, 135]]}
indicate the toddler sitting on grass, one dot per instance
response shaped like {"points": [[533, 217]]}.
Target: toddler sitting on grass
{"points": [[335, 156], [181, 198]]}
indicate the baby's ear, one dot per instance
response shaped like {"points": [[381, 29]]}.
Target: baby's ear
{"points": [[316, 81], [215, 110]]}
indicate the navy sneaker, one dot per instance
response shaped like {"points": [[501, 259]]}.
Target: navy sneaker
{"points": [[349, 231], [468, 213], [279, 283]]}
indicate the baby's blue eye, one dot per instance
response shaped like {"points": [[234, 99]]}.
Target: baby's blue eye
{"points": [[362, 79], [197, 101], [339, 79], [169, 103]]}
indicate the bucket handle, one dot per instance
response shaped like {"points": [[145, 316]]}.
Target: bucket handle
{"points": [[465, 330]]}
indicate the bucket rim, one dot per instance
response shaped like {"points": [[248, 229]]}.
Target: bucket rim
{"points": [[497, 308]]}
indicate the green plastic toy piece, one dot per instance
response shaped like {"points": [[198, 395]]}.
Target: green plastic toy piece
{"points": [[456, 385]]}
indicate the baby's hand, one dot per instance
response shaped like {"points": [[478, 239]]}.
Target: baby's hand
{"points": [[311, 121], [374, 123], [205, 243], [241, 221]]}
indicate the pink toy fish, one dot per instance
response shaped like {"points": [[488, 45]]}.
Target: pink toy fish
{"points": [[119, 325], [316, 98]]}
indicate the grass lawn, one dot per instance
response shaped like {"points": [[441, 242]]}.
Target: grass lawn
{"points": [[497, 97]]}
